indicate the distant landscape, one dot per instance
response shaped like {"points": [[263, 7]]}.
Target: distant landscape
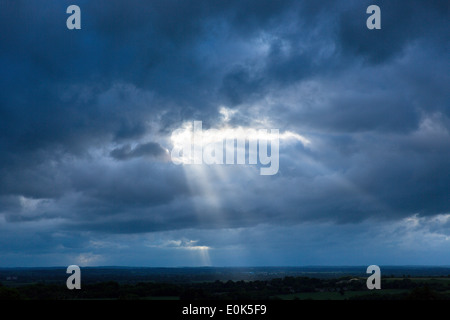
{"points": [[226, 283], [224, 150]]}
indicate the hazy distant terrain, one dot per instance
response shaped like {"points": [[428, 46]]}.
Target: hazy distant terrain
{"points": [[212, 283]]}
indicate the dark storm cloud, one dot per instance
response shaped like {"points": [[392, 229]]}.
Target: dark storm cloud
{"points": [[152, 149], [374, 103], [402, 23], [138, 183]]}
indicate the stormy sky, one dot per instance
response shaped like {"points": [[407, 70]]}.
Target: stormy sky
{"points": [[87, 116]]}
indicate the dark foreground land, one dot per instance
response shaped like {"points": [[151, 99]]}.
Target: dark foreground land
{"points": [[262, 283]]}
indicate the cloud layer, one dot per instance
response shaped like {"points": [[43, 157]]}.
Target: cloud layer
{"points": [[86, 118]]}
